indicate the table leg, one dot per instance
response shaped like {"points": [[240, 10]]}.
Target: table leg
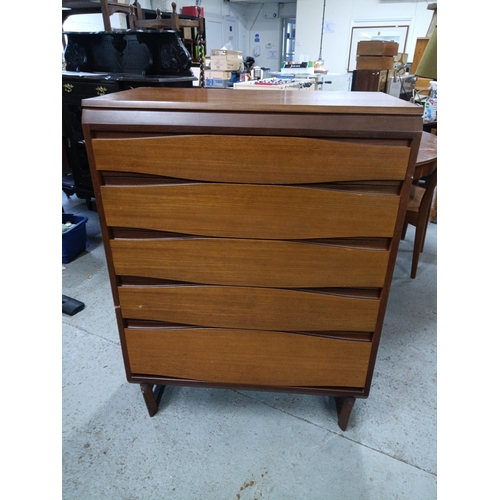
{"points": [[434, 208]]}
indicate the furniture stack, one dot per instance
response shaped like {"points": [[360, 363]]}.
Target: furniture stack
{"points": [[375, 58]]}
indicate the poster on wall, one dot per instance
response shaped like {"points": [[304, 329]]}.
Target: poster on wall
{"points": [[395, 33]]}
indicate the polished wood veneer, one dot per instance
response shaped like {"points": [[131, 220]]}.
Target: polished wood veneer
{"points": [[251, 308], [238, 357], [251, 242], [248, 211], [240, 262]]}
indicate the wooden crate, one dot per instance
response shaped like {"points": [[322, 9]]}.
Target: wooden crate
{"points": [[375, 62], [377, 48]]}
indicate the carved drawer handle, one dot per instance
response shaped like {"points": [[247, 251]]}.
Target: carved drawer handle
{"points": [[68, 87], [101, 90]]}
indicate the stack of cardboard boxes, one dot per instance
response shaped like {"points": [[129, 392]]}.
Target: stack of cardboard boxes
{"points": [[225, 66]]}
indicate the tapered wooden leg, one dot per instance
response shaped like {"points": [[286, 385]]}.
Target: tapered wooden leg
{"points": [[152, 395], [344, 407], [418, 246], [403, 234]]}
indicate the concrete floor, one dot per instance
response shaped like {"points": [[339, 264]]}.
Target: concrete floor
{"points": [[231, 444]]}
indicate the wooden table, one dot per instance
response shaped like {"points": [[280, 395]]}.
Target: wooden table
{"points": [[427, 156], [427, 163]]}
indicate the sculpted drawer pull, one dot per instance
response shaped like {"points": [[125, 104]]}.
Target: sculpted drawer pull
{"points": [[68, 87], [101, 90]]}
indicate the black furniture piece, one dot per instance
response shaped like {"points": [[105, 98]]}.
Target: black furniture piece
{"points": [[369, 80], [105, 62]]}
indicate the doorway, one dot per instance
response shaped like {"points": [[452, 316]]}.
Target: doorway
{"points": [[288, 41]]}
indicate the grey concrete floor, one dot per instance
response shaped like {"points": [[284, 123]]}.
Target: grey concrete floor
{"points": [[232, 444]]}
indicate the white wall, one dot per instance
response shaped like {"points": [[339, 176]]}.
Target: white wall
{"points": [[341, 16]]}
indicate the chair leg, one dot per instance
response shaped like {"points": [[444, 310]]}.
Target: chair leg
{"points": [[105, 15], [403, 234], [425, 231], [418, 246]]}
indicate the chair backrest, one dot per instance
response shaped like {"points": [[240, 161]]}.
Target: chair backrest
{"points": [[173, 23], [158, 23], [106, 7]]}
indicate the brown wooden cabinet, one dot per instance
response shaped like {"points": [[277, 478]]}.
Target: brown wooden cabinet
{"points": [[369, 80], [251, 242]]}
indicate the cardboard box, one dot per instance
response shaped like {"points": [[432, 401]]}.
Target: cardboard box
{"points": [[220, 79], [377, 48], [226, 53], [231, 61], [222, 64], [375, 62]]}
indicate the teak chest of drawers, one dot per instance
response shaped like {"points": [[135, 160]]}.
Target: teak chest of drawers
{"points": [[251, 239]]}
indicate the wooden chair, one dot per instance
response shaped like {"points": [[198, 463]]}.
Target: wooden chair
{"points": [[418, 214], [105, 7], [172, 23], [159, 23]]}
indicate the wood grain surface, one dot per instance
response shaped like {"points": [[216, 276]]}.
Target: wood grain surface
{"points": [[248, 357], [249, 308], [249, 211], [251, 159], [261, 263]]}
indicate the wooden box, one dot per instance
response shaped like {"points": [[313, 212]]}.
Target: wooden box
{"points": [[377, 48], [375, 62], [369, 80], [231, 268]]}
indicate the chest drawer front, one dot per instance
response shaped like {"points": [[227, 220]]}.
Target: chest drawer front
{"points": [[248, 357], [250, 159], [249, 308], [248, 211], [250, 262], [88, 89]]}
